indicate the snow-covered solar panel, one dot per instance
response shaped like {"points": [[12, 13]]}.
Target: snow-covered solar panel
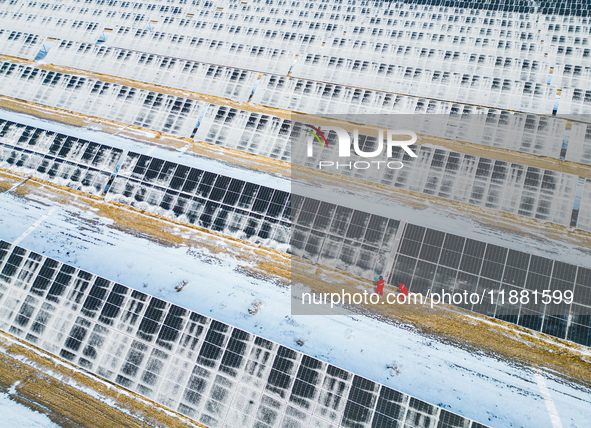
{"points": [[20, 44], [518, 189], [579, 144], [197, 48], [584, 218], [215, 202], [575, 101], [75, 163], [314, 97], [431, 261], [494, 90], [49, 23], [212, 372], [479, 125], [257, 133], [317, 231], [204, 78], [357, 242], [140, 107]]}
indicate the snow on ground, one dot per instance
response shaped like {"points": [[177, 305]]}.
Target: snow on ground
{"points": [[475, 385], [16, 415]]}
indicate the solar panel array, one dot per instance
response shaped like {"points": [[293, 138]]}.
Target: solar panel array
{"points": [[433, 261], [584, 218], [204, 78], [72, 162], [509, 187], [209, 371], [579, 146], [153, 110], [336, 236], [220, 203]]}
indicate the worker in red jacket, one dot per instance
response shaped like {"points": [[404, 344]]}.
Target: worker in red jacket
{"points": [[380, 286]]}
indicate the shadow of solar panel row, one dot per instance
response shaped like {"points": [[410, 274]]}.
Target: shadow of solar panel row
{"points": [[212, 372], [149, 109], [75, 163], [432, 261]]}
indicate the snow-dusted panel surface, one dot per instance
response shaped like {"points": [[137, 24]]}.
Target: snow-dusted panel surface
{"points": [[354, 241], [584, 219], [195, 47], [579, 145], [430, 261], [152, 110], [212, 372], [526, 133], [347, 239], [244, 210], [444, 85], [51, 23], [258, 133], [19, 44], [162, 70], [68, 161]]}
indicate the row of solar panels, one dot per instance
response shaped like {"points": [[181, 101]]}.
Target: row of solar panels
{"points": [[325, 9], [304, 44], [430, 261], [179, 116], [439, 32], [448, 85], [209, 371], [293, 16], [358, 242], [529, 191]]}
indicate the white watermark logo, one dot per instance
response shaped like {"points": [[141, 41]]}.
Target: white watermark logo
{"points": [[344, 147]]}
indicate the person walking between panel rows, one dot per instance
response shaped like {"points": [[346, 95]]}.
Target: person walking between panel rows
{"points": [[380, 286]]}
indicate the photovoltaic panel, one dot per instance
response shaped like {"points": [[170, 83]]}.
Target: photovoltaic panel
{"points": [[72, 162], [210, 371], [456, 264], [156, 69], [212, 201], [94, 97], [343, 238], [320, 232]]}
